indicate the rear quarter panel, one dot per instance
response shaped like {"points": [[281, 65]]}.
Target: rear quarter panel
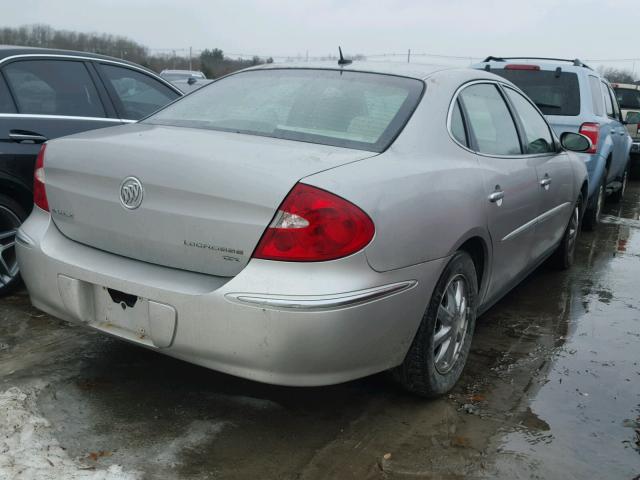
{"points": [[425, 194]]}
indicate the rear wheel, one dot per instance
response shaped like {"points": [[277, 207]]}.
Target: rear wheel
{"points": [[563, 257], [440, 349], [12, 214], [592, 214], [618, 195]]}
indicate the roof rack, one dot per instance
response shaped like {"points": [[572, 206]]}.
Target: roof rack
{"points": [[576, 61]]}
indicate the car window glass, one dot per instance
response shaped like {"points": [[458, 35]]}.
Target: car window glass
{"points": [[457, 125], [607, 100], [616, 107], [628, 98], [596, 96], [554, 93], [6, 103], [342, 108], [539, 139], [139, 94], [54, 87], [490, 120]]}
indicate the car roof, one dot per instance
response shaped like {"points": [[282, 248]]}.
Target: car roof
{"points": [[7, 51], [413, 70]]}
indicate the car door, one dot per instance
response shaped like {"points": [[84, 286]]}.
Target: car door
{"points": [[135, 93], [554, 173], [510, 181], [50, 98], [623, 143], [614, 128]]}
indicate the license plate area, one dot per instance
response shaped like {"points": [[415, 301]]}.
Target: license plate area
{"points": [[124, 313], [134, 318]]}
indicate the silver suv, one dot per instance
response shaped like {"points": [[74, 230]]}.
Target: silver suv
{"points": [[575, 98]]}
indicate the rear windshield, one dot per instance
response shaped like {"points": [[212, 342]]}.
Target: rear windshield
{"points": [[553, 93], [347, 109], [628, 99]]}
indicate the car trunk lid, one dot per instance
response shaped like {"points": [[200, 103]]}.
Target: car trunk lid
{"points": [[207, 195]]}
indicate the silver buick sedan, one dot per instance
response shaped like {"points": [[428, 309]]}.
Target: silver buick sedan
{"points": [[307, 225]]}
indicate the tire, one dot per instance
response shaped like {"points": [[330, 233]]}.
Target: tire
{"points": [[425, 370], [618, 195], [12, 214], [564, 256], [591, 217]]}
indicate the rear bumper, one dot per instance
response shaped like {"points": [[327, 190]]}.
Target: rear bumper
{"points": [[275, 322]]}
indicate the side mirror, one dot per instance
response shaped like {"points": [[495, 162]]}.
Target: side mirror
{"points": [[192, 80], [575, 142]]}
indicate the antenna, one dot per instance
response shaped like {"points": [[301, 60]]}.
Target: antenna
{"points": [[342, 60]]}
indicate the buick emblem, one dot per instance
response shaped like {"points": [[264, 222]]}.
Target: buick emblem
{"points": [[131, 193]]}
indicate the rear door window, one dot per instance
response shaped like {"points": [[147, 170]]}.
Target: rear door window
{"points": [[490, 120], [6, 102], [553, 93], [596, 96], [54, 87], [137, 94], [539, 139]]}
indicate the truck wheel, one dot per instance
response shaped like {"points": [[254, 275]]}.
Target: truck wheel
{"points": [[563, 257], [591, 217], [618, 195]]}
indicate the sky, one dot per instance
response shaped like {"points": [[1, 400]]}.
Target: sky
{"points": [[590, 30]]}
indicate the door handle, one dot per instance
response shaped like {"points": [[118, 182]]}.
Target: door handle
{"points": [[496, 197], [545, 183], [18, 136]]}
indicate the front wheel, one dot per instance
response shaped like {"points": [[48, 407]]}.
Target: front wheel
{"points": [[440, 349], [564, 256]]}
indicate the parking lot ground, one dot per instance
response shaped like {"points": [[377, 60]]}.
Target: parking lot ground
{"points": [[552, 390]]}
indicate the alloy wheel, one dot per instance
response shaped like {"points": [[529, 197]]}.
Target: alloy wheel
{"points": [[451, 324], [9, 223]]}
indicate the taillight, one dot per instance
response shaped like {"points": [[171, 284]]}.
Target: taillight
{"points": [[313, 225], [521, 66], [39, 191], [592, 131]]}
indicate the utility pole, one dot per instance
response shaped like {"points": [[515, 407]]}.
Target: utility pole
{"points": [[190, 51], [409, 56]]}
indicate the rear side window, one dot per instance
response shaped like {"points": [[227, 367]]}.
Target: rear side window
{"points": [[6, 103], [457, 125], [332, 107], [628, 99], [596, 96], [539, 139], [490, 120], [607, 100], [53, 87], [616, 107], [553, 93], [139, 95]]}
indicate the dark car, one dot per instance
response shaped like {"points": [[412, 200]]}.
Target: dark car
{"points": [[46, 94]]}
